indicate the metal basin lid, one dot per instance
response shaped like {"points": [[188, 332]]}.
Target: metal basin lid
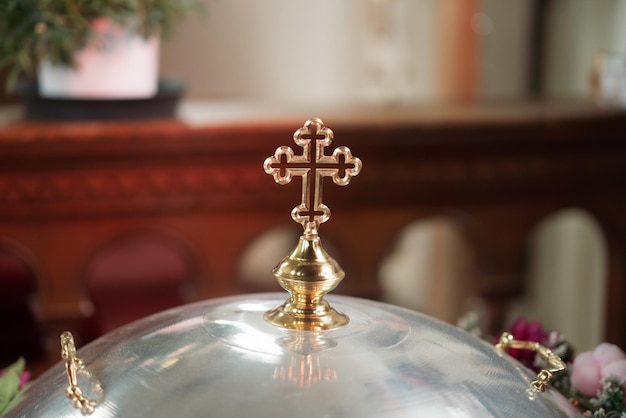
{"points": [[220, 358]]}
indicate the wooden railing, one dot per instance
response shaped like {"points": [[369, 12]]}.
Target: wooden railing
{"points": [[66, 189]]}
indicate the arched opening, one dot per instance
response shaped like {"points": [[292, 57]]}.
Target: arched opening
{"points": [[135, 276], [19, 328], [430, 269], [262, 254], [566, 286]]}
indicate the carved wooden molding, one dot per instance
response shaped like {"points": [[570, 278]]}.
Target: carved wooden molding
{"points": [[126, 186]]}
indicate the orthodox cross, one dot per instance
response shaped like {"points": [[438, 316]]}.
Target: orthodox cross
{"points": [[312, 166]]}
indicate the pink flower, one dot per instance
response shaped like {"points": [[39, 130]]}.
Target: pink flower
{"points": [[591, 367], [24, 378], [526, 331]]}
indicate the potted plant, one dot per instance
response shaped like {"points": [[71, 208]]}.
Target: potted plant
{"points": [[78, 48]]}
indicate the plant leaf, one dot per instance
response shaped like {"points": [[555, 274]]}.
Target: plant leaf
{"points": [[10, 383]]}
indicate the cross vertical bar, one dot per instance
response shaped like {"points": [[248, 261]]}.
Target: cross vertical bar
{"points": [[312, 165]]}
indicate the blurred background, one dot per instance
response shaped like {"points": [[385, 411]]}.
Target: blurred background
{"points": [[398, 52], [385, 54], [393, 50]]}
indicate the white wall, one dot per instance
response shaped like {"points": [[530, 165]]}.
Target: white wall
{"points": [[266, 50], [322, 50], [503, 48], [327, 50], [578, 29]]}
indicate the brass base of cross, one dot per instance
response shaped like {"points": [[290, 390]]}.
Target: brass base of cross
{"points": [[308, 273], [291, 316]]}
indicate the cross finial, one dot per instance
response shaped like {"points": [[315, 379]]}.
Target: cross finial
{"points": [[312, 166]]}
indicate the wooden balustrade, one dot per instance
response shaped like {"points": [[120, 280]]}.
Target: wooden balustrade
{"points": [[67, 189]]}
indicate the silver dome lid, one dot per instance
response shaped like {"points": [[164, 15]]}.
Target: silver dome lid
{"points": [[244, 356], [220, 358]]}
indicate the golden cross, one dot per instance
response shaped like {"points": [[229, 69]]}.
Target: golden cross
{"points": [[312, 166]]}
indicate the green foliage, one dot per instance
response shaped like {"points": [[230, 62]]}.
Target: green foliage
{"points": [[10, 383], [611, 397], [33, 29]]}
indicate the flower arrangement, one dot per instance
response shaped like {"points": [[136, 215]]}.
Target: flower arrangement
{"points": [[31, 30], [595, 381], [12, 379]]}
